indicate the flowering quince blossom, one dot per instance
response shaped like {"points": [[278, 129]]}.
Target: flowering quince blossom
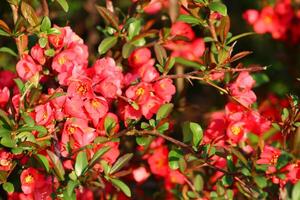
{"points": [[191, 50], [279, 20], [69, 124], [27, 67]]}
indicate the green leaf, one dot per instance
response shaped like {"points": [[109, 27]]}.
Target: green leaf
{"points": [[81, 163], [160, 53], [218, 7], [164, 127], [164, 111], [54, 31], [174, 157], [189, 19], [227, 180], [8, 142], [4, 118], [284, 114], [50, 52], [8, 50], [28, 120], [239, 36], [296, 191], [261, 181], [57, 165], [187, 134], [8, 187], [63, 4], [127, 49], [70, 187], [198, 183], [43, 42], [46, 24], [197, 133], [283, 160], [122, 186], [40, 129], [189, 63], [109, 124], [20, 85], [29, 14], [4, 132], [107, 44], [134, 29], [98, 155], [143, 141], [44, 161], [108, 16], [121, 162], [239, 155], [3, 33], [260, 79]]}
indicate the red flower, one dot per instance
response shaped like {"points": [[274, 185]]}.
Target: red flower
{"points": [[269, 156], [139, 57], [165, 89], [27, 68], [37, 54], [235, 131], [7, 78], [140, 174], [81, 87], [4, 96], [158, 161], [139, 93], [43, 114], [5, 160], [31, 179], [96, 108]]}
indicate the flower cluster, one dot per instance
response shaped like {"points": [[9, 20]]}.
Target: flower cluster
{"points": [[281, 20]]}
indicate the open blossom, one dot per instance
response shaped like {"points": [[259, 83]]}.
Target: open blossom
{"points": [[4, 96], [79, 132], [241, 89], [140, 174], [269, 156], [96, 108], [5, 160], [81, 87], [27, 68], [236, 131], [192, 49], [43, 114], [73, 107], [158, 161], [37, 53], [165, 89], [139, 93], [31, 179]]}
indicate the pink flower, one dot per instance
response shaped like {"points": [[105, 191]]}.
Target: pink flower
{"points": [[57, 40], [78, 130], [43, 114], [5, 160], [151, 106], [31, 179], [140, 174], [127, 112], [235, 131], [27, 68], [165, 89], [139, 93], [139, 57], [81, 87], [158, 161], [269, 156], [96, 108], [182, 29], [4, 96], [147, 71], [37, 53], [74, 107], [155, 6], [251, 16], [7, 78]]}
